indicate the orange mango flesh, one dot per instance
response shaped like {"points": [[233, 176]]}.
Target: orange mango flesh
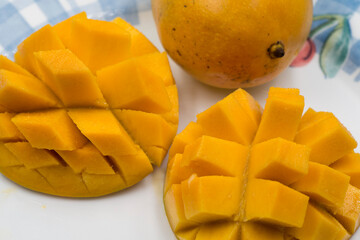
{"points": [[286, 193], [60, 131]]}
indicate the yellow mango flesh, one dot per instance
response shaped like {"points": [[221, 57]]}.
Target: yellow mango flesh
{"points": [[58, 134], [22, 93], [214, 156], [87, 159], [258, 231], [350, 165], [140, 45], [41, 40], [211, 198], [51, 129], [174, 203], [224, 231], [279, 160], [228, 120], [99, 44], [63, 29], [279, 182], [282, 115], [134, 88], [148, 130], [319, 225], [9, 65], [271, 202], [328, 139], [191, 132], [324, 185], [8, 131], [69, 79], [31, 157], [349, 213]]}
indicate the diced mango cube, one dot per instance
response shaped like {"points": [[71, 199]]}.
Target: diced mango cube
{"points": [[350, 165], [140, 45], [176, 173], [324, 185], [98, 43], [220, 230], [64, 181], [99, 184], [272, 202], [8, 131], [9, 65], [22, 93], [175, 209], [282, 115], [318, 225], [31, 157], [279, 160], [7, 159], [87, 159], [51, 130], [127, 85], [172, 116], [158, 63], [63, 29], [42, 40], [349, 213], [215, 156], [258, 231], [147, 129], [133, 168], [69, 78], [191, 132], [102, 128], [249, 104], [328, 139], [228, 120], [211, 198]]}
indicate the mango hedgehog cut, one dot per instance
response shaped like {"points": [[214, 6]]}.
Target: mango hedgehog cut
{"points": [[88, 108]]}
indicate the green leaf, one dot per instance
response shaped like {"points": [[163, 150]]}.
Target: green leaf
{"points": [[335, 49]]}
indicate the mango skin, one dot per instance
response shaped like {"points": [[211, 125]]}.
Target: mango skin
{"points": [[225, 43]]}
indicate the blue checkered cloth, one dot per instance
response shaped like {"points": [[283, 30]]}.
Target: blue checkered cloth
{"points": [[19, 18]]}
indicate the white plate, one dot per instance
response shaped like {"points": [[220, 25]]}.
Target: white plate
{"points": [[138, 213]]}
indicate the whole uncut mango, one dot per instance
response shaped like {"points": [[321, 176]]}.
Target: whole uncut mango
{"points": [[232, 43]]}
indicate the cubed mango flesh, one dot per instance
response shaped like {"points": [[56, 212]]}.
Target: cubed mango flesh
{"points": [[279, 160], [284, 195], [211, 198], [8, 131], [213, 156], [58, 134], [23, 93], [272, 202], [319, 225], [69, 79], [42, 40], [52, 130], [328, 139], [282, 115], [228, 120], [99, 44], [134, 87], [350, 165], [258, 231], [324, 185]]}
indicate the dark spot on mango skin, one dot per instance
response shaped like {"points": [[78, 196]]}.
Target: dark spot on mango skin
{"points": [[276, 50], [178, 52], [174, 29]]}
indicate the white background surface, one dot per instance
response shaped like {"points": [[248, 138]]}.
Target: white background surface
{"points": [[138, 213]]}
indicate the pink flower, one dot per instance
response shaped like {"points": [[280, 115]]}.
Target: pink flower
{"points": [[305, 55]]}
